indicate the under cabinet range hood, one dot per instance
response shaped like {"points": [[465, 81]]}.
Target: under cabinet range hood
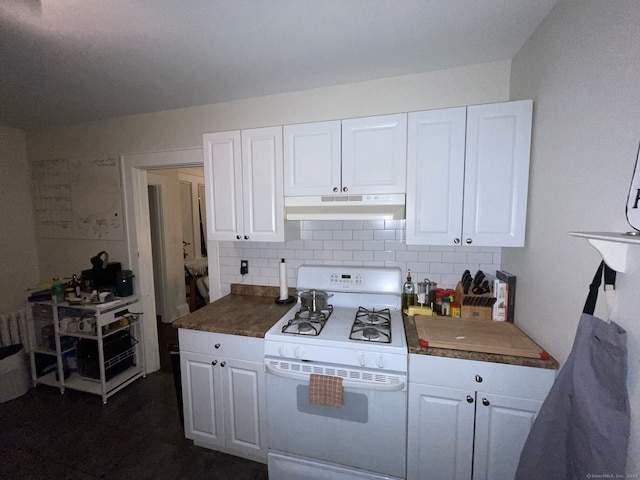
{"points": [[346, 207]]}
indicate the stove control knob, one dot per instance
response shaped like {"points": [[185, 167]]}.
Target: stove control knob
{"points": [[298, 352], [282, 351], [380, 362], [362, 360]]}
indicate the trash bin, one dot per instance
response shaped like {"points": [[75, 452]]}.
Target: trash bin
{"points": [[174, 351], [14, 373]]}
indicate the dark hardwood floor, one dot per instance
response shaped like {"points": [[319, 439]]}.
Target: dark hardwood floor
{"points": [[136, 435]]}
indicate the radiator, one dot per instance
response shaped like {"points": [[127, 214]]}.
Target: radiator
{"points": [[13, 329]]}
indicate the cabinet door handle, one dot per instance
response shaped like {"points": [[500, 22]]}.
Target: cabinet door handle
{"points": [[469, 399], [485, 402], [456, 241], [246, 237], [215, 362], [335, 189], [222, 364], [345, 189], [469, 241], [478, 379], [238, 237], [216, 346]]}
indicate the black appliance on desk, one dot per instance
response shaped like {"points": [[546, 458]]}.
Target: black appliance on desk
{"points": [[102, 276]]}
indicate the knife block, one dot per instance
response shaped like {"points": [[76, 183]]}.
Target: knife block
{"points": [[472, 311]]}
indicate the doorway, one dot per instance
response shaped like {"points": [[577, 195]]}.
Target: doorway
{"points": [[178, 245], [135, 169]]}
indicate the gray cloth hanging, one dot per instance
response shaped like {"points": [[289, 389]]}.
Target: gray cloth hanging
{"points": [[583, 426]]}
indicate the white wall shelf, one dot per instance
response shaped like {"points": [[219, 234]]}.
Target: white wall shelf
{"points": [[612, 246]]}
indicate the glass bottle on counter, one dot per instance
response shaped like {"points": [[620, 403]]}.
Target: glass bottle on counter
{"points": [[408, 292]]}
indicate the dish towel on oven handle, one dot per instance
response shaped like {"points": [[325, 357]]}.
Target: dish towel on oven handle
{"points": [[326, 390], [582, 429]]}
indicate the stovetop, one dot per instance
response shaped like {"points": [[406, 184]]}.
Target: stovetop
{"points": [[353, 290]]}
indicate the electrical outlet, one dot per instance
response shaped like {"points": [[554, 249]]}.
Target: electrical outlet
{"points": [[244, 267]]}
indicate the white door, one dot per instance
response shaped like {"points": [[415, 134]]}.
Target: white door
{"points": [[223, 185], [312, 159], [245, 408], [202, 399], [497, 173], [435, 176], [374, 154], [502, 427], [440, 433], [262, 174]]}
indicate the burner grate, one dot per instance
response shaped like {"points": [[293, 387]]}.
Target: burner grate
{"points": [[307, 322], [371, 325]]}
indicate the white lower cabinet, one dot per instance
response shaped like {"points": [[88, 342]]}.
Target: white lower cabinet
{"points": [[223, 392], [470, 419]]}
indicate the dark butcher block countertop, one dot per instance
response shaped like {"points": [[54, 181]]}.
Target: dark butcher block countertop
{"points": [[250, 310]]}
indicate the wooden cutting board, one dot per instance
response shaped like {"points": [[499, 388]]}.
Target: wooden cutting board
{"points": [[486, 336]]}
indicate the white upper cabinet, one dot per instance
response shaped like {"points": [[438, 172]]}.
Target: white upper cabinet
{"points": [[312, 158], [468, 175], [355, 156], [374, 154], [435, 176], [243, 177]]}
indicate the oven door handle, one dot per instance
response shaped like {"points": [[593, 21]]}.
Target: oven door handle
{"points": [[387, 387]]}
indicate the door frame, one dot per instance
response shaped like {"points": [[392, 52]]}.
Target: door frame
{"points": [[134, 182]]}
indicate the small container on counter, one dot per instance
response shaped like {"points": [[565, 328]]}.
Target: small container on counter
{"points": [[455, 309]]}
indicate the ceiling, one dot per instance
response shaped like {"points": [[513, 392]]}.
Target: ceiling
{"points": [[68, 61]]}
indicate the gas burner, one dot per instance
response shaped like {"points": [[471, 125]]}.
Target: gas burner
{"points": [[372, 326], [371, 333], [307, 322], [304, 327], [373, 316]]}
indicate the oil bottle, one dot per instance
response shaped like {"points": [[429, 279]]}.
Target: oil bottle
{"points": [[408, 292]]}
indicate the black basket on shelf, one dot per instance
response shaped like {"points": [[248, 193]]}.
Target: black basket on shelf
{"points": [[119, 355]]}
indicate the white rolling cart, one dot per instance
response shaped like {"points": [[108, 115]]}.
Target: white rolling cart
{"points": [[94, 348]]}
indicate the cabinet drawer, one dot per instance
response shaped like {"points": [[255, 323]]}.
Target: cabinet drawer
{"points": [[498, 378], [245, 348]]}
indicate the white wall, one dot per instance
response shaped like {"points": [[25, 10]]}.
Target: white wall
{"points": [[581, 67], [18, 254]]}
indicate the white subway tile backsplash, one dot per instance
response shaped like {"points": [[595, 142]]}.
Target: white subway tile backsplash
{"points": [[352, 242], [363, 234], [353, 224], [322, 234], [384, 235], [342, 234], [352, 245], [323, 255], [332, 245]]}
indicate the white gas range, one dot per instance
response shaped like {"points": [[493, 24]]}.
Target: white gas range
{"points": [[358, 336]]}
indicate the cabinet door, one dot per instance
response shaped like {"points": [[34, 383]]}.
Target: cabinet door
{"points": [[245, 408], [374, 154], [502, 426], [497, 173], [202, 399], [440, 432], [223, 185], [435, 176], [262, 172], [312, 159]]}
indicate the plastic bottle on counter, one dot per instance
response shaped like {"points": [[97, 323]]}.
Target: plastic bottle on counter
{"points": [[408, 292], [446, 306]]}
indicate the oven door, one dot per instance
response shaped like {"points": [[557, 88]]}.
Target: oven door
{"points": [[363, 439]]}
